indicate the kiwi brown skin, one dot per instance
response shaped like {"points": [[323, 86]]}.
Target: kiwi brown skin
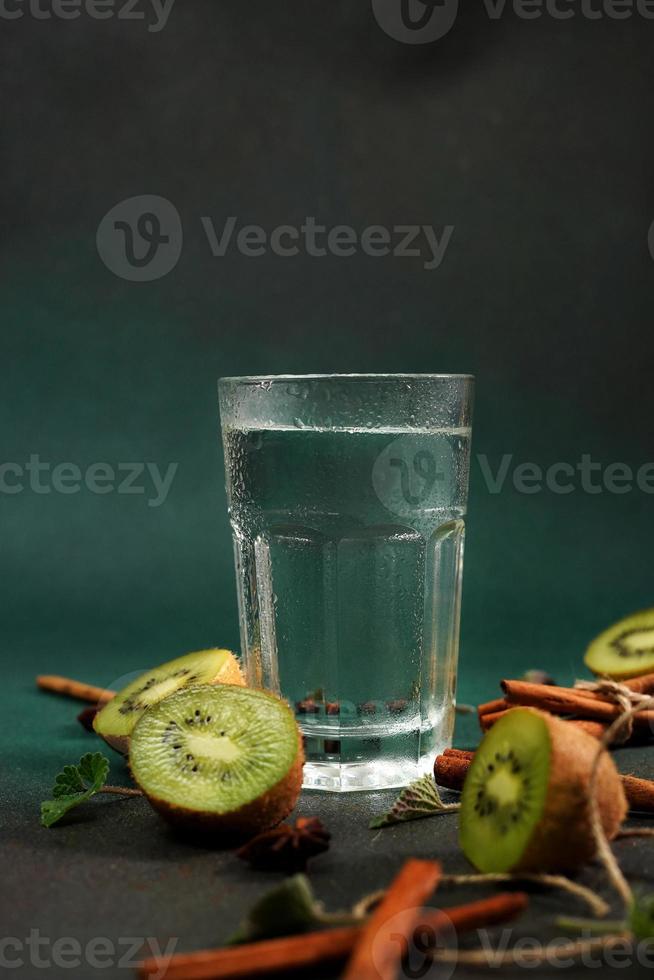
{"points": [[562, 839], [256, 816], [119, 743]]}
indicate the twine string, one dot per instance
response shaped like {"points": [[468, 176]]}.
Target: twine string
{"points": [[604, 851], [624, 697]]}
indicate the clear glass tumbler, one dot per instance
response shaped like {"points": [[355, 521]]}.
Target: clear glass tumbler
{"points": [[347, 496]]}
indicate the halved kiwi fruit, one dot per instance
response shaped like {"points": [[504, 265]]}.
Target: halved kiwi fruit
{"points": [[525, 802], [117, 718], [625, 649], [219, 759]]}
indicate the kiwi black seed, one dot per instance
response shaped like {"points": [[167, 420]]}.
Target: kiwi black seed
{"points": [[117, 718], [525, 802], [219, 759], [626, 649]]}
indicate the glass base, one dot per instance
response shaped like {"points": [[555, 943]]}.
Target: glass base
{"points": [[348, 777]]}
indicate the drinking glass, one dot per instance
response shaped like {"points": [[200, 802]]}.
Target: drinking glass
{"points": [[347, 496]]}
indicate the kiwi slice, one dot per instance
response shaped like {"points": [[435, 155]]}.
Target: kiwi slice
{"points": [[625, 649], [117, 718], [219, 759], [525, 802]]}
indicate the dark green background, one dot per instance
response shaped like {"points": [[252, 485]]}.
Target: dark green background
{"points": [[533, 138]]}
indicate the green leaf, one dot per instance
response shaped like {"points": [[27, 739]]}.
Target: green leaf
{"points": [[53, 810], [74, 785], [68, 782], [94, 769], [288, 909], [418, 800], [641, 917]]}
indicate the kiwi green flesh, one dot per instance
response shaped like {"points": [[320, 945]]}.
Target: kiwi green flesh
{"points": [[214, 749], [118, 716], [626, 649], [505, 792]]}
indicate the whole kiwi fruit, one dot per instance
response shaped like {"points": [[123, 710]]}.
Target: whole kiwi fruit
{"points": [[219, 760], [525, 804]]}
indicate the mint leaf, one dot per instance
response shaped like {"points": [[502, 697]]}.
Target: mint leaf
{"points": [[641, 917], [74, 785], [285, 910], [93, 769], [89, 774], [419, 799], [53, 810], [68, 782]]}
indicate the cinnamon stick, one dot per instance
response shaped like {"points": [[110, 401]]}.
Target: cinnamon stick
{"points": [[641, 685], [268, 956], [377, 952], [487, 721], [451, 772], [594, 728], [480, 914], [639, 793], [73, 689], [459, 753], [313, 949], [569, 701], [490, 707]]}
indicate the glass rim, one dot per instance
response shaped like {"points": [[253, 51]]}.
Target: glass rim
{"points": [[257, 378]]}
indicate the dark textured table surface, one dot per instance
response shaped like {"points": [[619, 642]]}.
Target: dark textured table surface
{"points": [[114, 871]]}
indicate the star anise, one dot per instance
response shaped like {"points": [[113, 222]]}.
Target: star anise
{"points": [[286, 848]]}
